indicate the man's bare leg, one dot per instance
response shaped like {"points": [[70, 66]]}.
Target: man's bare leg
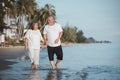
{"points": [[52, 64], [57, 64]]}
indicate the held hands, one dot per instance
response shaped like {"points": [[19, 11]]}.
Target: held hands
{"points": [[46, 43]]}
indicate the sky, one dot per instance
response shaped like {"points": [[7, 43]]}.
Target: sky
{"points": [[99, 19]]}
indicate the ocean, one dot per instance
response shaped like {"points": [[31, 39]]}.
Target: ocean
{"points": [[99, 61]]}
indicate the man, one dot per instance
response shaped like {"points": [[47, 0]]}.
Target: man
{"points": [[52, 34]]}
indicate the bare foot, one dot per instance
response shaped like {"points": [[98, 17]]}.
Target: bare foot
{"points": [[33, 66], [56, 66], [52, 67], [57, 63], [36, 67], [52, 64]]}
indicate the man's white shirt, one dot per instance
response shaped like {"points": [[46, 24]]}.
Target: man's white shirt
{"points": [[52, 34]]}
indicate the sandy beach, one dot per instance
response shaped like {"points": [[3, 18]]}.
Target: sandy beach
{"points": [[81, 62], [11, 52]]}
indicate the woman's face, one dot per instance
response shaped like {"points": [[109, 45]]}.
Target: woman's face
{"points": [[35, 27]]}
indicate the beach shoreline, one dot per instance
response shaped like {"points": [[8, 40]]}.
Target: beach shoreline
{"points": [[13, 52], [44, 46], [22, 47]]}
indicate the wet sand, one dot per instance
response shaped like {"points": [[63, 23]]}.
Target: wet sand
{"points": [[9, 53], [4, 64]]}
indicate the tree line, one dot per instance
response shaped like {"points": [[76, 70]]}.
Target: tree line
{"points": [[74, 35]]}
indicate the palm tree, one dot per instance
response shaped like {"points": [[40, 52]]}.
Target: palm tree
{"points": [[49, 11], [5, 10], [25, 8], [2, 24], [43, 13]]}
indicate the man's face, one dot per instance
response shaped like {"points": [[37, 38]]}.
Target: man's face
{"points": [[50, 20]]}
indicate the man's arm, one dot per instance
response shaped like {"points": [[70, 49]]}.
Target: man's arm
{"points": [[59, 37]]}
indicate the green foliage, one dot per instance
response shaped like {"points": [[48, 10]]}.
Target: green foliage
{"points": [[80, 37], [2, 13], [72, 34], [13, 42], [10, 41], [42, 14], [69, 35]]}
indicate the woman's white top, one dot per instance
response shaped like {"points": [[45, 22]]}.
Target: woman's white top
{"points": [[34, 37]]}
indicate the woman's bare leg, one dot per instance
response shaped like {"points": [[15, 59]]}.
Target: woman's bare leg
{"points": [[32, 66]]}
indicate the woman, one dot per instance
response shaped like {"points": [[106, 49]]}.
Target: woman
{"points": [[32, 43]]}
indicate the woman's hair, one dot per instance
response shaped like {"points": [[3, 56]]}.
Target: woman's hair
{"points": [[32, 24]]}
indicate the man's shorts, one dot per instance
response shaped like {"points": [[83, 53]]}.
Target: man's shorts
{"points": [[55, 50]]}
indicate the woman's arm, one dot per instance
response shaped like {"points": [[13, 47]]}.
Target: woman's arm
{"points": [[26, 44]]}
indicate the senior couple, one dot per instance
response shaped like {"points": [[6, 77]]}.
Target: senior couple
{"points": [[51, 37]]}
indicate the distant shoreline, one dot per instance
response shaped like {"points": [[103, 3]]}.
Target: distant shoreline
{"points": [[12, 47], [43, 46]]}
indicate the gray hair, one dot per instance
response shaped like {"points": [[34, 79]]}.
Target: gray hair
{"points": [[51, 17]]}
